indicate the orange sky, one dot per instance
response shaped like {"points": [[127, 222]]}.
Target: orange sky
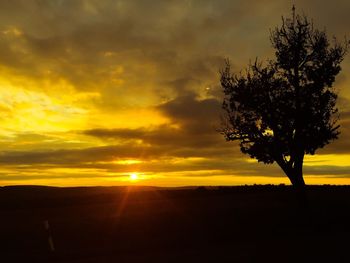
{"points": [[94, 91]]}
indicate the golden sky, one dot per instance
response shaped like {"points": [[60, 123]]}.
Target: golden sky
{"points": [[93, 91]]}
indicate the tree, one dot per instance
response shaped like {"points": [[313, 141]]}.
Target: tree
{"points": [[286, 109]]}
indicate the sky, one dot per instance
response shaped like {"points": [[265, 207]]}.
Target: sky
{"points": [[94, 92]]}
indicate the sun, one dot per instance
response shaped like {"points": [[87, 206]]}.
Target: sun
{"points": [[134, 176]]}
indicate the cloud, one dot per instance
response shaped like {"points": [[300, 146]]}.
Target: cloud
{"points": [[342, 144], [88, 82], [194, 126]]}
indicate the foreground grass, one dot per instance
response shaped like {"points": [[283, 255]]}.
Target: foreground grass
{"points": [[145, 224]]}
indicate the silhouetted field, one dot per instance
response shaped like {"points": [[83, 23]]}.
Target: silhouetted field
{"points": [[145, 224]]}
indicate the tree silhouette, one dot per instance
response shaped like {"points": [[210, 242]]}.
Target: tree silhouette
{"points": [[286, 109]]}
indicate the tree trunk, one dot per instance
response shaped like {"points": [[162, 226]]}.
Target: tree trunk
{"points": [[296, 171], [296, 177]]}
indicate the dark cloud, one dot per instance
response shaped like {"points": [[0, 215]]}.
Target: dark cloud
{"points": [[193, 132], [342, 144], [191, 112]]}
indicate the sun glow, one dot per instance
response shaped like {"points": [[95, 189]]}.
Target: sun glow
{"points": [[134, 176]]}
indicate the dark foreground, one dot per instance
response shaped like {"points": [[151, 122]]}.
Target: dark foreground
{"points": [[230, 224]]}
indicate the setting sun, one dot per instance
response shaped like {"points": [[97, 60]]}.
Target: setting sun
{"points": [[134, 176]]}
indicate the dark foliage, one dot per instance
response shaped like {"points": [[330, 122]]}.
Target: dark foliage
{"points": [[286, 109]]}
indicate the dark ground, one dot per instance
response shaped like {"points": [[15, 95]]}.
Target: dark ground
{"points": [[226, 224]]}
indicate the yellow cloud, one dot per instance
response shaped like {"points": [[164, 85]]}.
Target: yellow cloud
{"points": [[341, 160], [12, 31], [31, 110]]}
